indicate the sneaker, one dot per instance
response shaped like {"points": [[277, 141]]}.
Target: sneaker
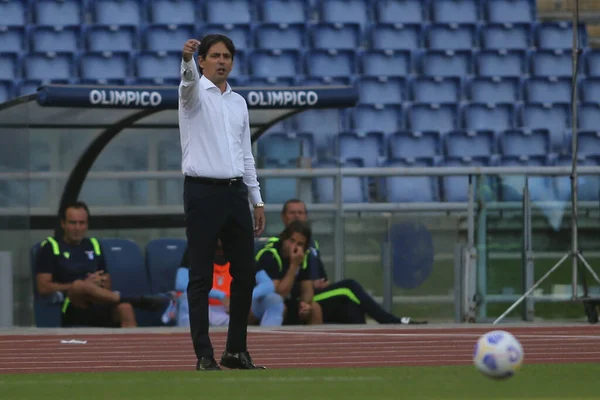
{"points": [[410, 321]]}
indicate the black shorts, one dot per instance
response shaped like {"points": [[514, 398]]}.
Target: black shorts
{"points": [[341, 310], [291, 317], [96, 315]]}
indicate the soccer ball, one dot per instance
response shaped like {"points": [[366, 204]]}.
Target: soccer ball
{"points": [[498, 355]]}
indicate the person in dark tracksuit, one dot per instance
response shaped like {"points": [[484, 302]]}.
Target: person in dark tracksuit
{"points": [[343, 302]]}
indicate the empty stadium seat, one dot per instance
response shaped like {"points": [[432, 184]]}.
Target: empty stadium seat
{"points": [[162, 257], [167, 37], [451, 36], [51, 65], [336, 36], [387, 36], [168, 12], [13, 13], [488, 116], [455, 11], [275, 63], [117, 12], [381, 90], [446, 63], [509, 11], [323, 124], [556, 63], [279, 190], [472, 143], [386, 63], [589, 116], [331, 63], [61, 13], [502, 63], [432, 117], [354, 188], [228, 12], [55, 38], [511, 186], [281, 36], [405, 145], [378, 118], [506, 36], [161, 64], [7, 90], [406, 189], [283, 11], [591, 63], [524, 142], [286, 147], [588, 186], [493, 89], [436, 89], [399, 11], [105, 65], [553, 117], [12, 39], [456, 188], [353, 11], [547, 90], [558, 35], [367, 145], [240, 33], [589, 90], [588, 142]]}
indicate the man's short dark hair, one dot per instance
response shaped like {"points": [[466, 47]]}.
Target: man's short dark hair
{"points": [[77, 205], [291, 201], [300, 227], [210, 40]]}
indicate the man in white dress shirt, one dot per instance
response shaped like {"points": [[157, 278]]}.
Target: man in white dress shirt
{"points": [[220, 179]]}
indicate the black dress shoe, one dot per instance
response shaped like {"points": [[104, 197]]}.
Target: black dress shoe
{"points": [[239, 361], [207, 364]]}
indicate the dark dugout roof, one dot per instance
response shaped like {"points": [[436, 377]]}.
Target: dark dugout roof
{"points": [[111, 109]]}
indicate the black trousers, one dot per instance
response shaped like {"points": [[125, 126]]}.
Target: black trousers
{"points": [[212, 212]]}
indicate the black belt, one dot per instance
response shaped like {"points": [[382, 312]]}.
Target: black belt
{"points": [[215, 181]]}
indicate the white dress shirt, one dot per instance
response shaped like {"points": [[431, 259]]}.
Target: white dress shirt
{"points": [[214, 128]]}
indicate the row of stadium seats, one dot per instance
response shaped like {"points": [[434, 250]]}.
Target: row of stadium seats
{"points": [[313, 63], [272, 36], [73, 12]]}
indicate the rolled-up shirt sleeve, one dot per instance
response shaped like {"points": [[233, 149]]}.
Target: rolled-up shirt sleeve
{"points": [[188, 87], [250, 178]]}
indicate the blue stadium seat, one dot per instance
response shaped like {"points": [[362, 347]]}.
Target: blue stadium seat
{"points": [[46, 309], [9, 66], [281, 36], [354, 188], [400, 11], [446, 63], [524, 142], [322, 124], [58, 13], [588, 142], [436, 89], [472, 143], [13, 13], [286, 147], [49, 66], [168, 12], [502, 63], [275, 63], [451, 36], [279, 81], [324, 81], [169, 159], [551, 63], [367, 145], [331, 63], [432, 117], [412, 144], [30, 86], [117, 12], [112, 38], [588, 186], [167, 37], [105, 65], [336, 36], [510, 11], [387, 36], [162, 258], [386, 63], [283, 11], [56, 38], [589, 116], [381, 90], [547, 90], [456, 188], [7, 90], [125, 263], [591, 62], [512, 186], [162, 64], [378, 118], [279, 190], [408, 189], [553, 117], [558, 35], [493, 90], [455, 11], [12, 39], [506, 36], [228, 12], [240, 33], [589, 90], [355, 11], [488, 116]]}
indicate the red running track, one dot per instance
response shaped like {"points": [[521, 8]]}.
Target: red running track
{"points": [[25, 353]]}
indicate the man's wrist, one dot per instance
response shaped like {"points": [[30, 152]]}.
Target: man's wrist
{"points": [[260, 204]]}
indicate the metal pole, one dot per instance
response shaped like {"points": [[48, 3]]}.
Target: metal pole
{"points": [[482, 260], [387, 271], [6, 290], [574, 230], [528, 273], [338, 228], [458, 285], [470, 278]]}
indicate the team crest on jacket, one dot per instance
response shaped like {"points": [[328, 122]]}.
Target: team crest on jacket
{"points": [[220, 280], [90, 254]]}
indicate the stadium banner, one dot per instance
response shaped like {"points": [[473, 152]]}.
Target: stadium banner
{"points": [[161, 97]]}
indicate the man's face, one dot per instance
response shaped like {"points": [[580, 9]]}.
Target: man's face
{"points": [[297, 239], [75, 225], [217, 64], [294, 212]]}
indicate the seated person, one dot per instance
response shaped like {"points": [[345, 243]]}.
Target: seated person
{"points": [[73, 268], [343, 302], [283, 261], [267, 306]]}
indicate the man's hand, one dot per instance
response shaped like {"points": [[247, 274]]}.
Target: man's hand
{"points": [[297, 256], [189, 48], [259, 221], [225, 302], [320, 283], [98, 278], [304, 309]]}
